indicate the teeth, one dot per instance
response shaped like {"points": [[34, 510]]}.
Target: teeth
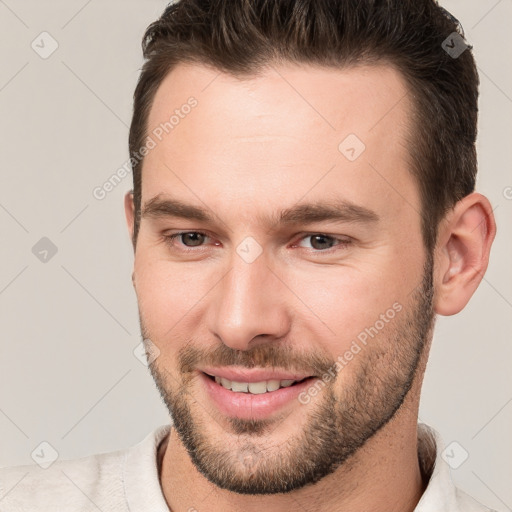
{"points": [[255, 388], [273, 385], [241, 387]]}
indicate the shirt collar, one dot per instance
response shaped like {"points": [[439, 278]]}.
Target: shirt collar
{"points": [[140, 474], [440, 493]]}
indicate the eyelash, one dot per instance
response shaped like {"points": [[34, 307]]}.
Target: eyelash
{"points": [[343, 243]]}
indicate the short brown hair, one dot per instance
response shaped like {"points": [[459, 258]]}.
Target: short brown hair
{"points": [[239, 37]]}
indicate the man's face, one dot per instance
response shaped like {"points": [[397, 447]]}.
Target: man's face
{"points": [[343, 301]]}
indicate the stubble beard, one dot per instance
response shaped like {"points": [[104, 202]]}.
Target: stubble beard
{"points": [[337, 424]]}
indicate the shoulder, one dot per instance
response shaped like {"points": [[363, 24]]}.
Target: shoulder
{"points": [[96, 482], [78, 484]]}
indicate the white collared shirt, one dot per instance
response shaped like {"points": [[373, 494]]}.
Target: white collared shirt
{"points": [[127, 481]]}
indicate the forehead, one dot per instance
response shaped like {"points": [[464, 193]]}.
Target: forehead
{"points": [[357, 97], [288, 132]]}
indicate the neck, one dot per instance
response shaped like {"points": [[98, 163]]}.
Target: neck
{"points": [[383, 476]]}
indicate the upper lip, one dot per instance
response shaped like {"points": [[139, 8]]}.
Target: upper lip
{"points": [[253, 374]]}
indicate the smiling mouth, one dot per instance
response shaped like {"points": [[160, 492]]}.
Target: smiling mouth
{"points": [[255, 388]]}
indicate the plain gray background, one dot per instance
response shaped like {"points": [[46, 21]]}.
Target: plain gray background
{"points": [[68, 374]]}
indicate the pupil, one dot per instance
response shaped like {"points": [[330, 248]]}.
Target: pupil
{"points": [[315, 239], [193, 235]]}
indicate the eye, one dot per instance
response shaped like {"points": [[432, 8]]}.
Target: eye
{"points": [[318, 241], [322, 243], [188, 238]]}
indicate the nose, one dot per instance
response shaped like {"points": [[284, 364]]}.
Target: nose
{"points": [[249, 305]]}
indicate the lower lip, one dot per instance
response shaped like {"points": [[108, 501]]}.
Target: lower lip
{"points": [[249, 406]]}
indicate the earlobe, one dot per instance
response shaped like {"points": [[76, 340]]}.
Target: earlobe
{"points": [[462, 253]]}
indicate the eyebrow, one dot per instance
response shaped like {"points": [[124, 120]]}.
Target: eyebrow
{"points": [[339, 210]]}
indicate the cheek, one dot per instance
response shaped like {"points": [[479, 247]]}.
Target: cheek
{"points": [[168, 296], [349, 300]]}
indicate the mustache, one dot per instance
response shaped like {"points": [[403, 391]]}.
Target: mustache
{"points": [[275, 356]]}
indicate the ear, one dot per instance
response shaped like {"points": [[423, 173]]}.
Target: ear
{"points": [[464, 242], [129, 211]]}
